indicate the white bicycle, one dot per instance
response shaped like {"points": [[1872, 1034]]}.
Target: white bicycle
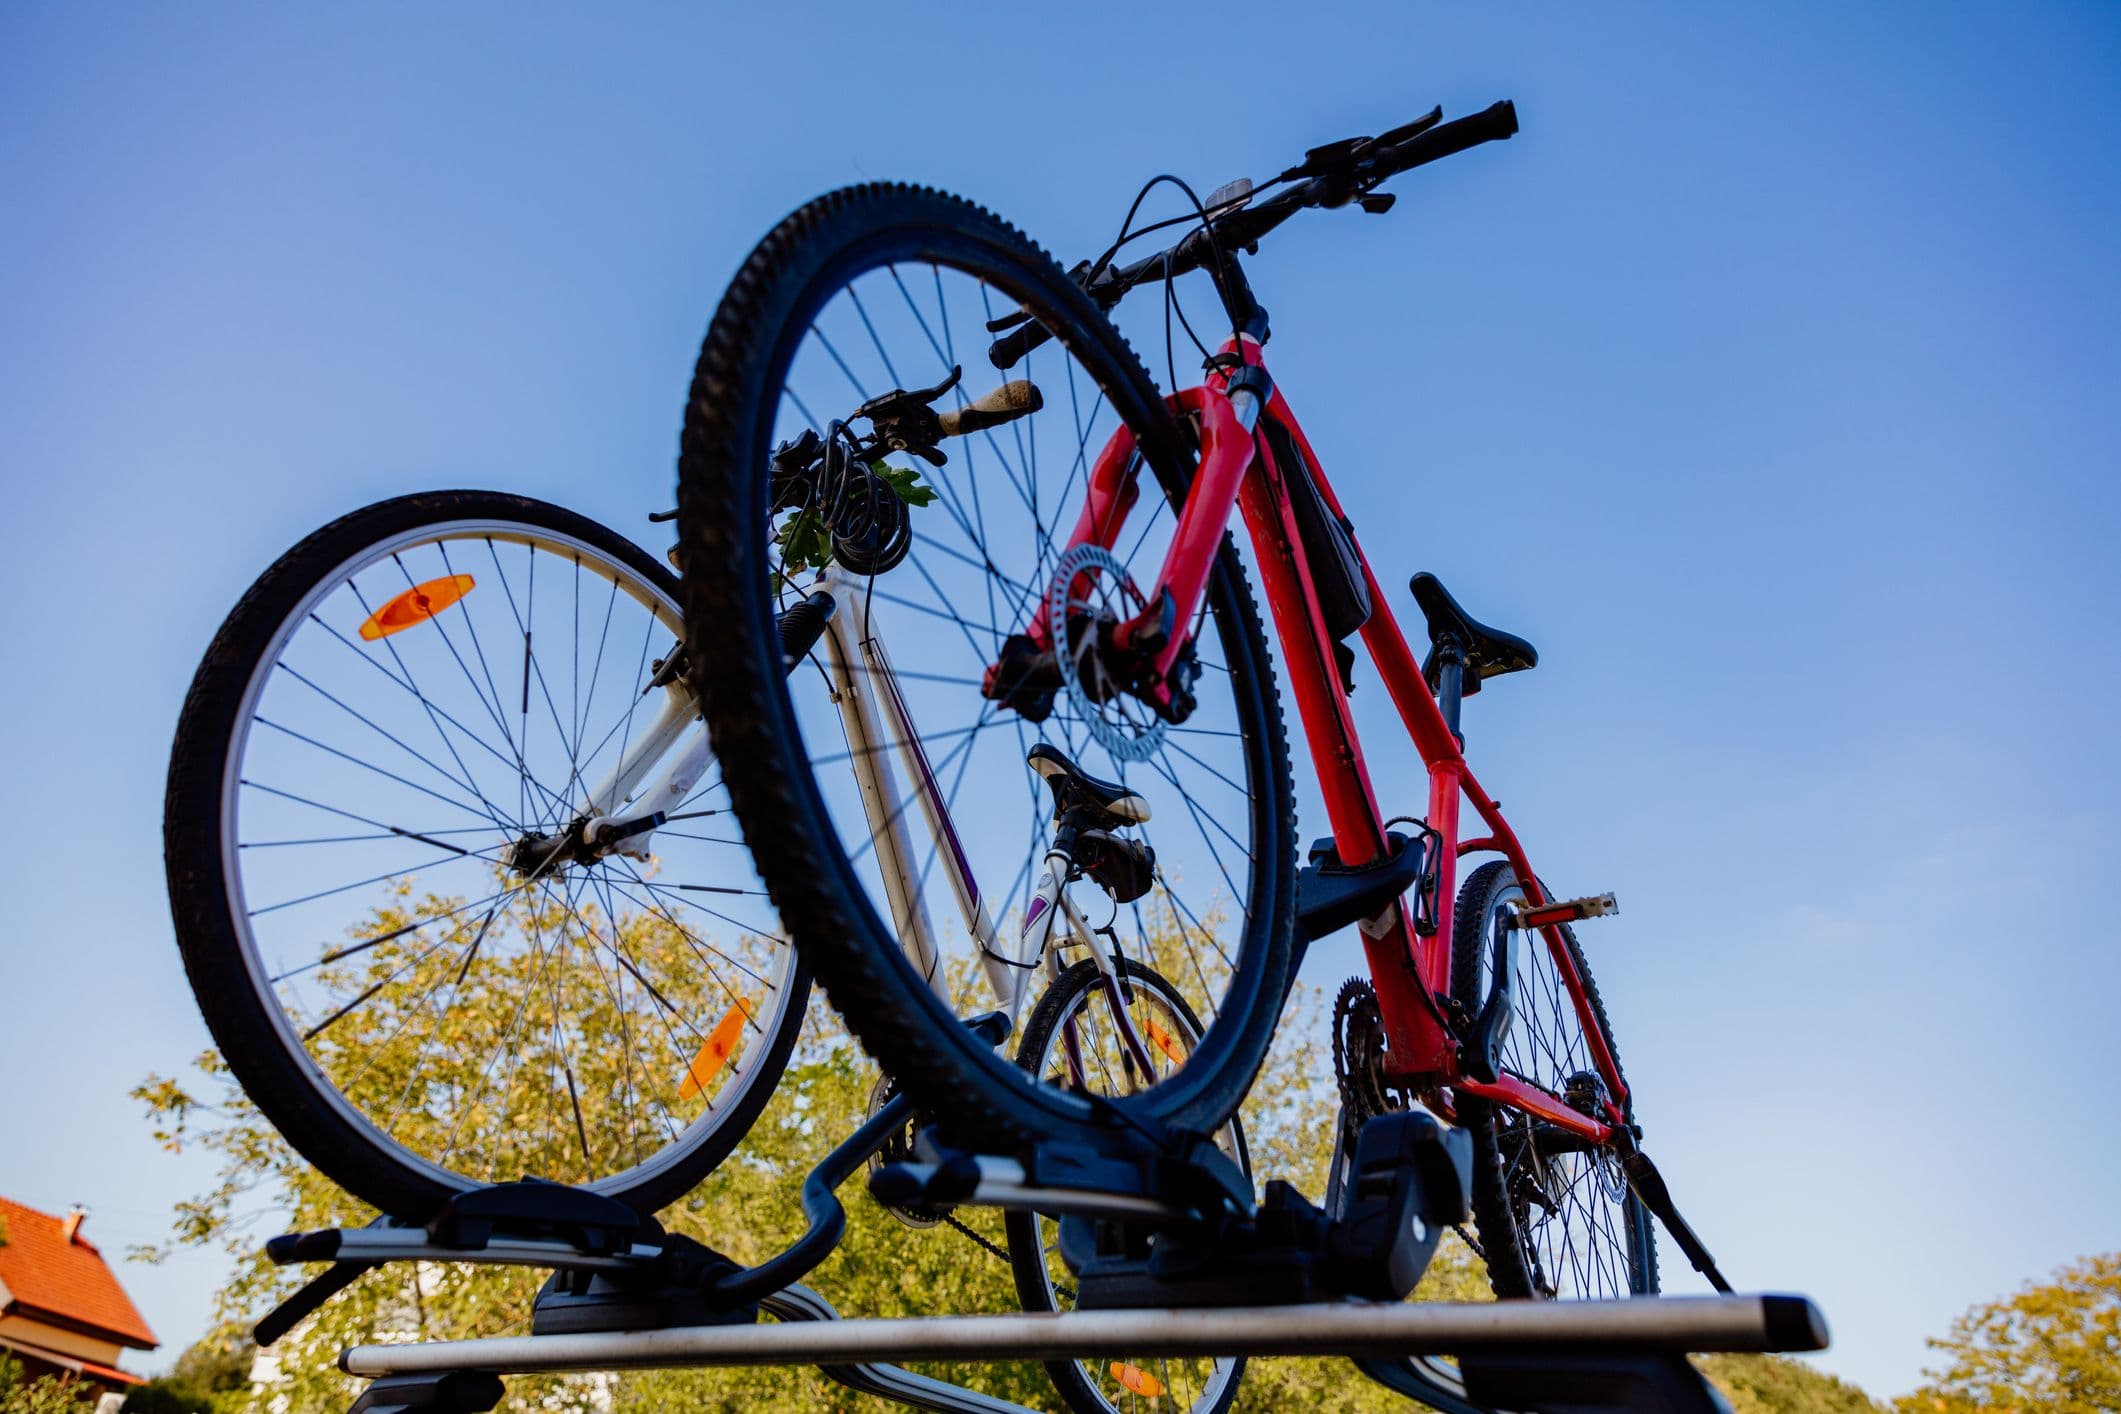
{"points": [[461, 899]]}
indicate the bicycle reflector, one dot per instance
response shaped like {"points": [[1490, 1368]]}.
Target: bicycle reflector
{"points": [[721, 1044], [1137, 1380], [1164, 1041], [416, 606]]}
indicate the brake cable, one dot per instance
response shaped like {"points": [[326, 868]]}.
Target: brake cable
{"points": [[1206, 225]]}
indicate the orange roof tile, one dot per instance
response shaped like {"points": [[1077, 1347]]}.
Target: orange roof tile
{"points": [[49, 1277]]}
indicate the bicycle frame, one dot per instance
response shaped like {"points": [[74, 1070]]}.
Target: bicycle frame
{"points": [[867, 694], [1410, 971], [1238, 471], [878, 726]]}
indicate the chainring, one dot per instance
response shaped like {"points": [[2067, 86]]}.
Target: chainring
{"points": [[898, 1149], [1359, 1055]]}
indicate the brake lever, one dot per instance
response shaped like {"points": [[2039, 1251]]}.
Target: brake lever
{"points": [[1332, 158], [1416, 128], [1079, 274], [896, 402]]}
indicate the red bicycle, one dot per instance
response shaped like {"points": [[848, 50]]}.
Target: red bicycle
{"points": [[1059, 588]]}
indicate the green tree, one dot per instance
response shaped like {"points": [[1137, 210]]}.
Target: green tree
{"points": [[212, 1377], [1770, 1384], [2054, 1345], [748, 1208], [47, 1394]]}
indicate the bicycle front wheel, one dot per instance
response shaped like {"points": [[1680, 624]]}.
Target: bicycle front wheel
{"points": [[942, 570], [410, 954]]}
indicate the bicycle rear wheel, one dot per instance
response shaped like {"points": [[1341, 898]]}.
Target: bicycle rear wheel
{"points": [[883, 288], [415, 976], [1556, 1221], [1073, 1040]]}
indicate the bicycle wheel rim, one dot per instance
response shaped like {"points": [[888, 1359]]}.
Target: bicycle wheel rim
{"points": [[736, 1085], [975, 1095]]}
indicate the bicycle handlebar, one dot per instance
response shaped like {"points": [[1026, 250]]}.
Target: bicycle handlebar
{"points": [[1331, 176]]}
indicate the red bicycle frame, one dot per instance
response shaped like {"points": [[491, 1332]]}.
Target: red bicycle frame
{"points": [[1409, 970]]}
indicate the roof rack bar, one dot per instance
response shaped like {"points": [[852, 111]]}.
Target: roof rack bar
{"points": [[1673, 1323]]}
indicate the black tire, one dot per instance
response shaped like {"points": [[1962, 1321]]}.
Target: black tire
{"points": [[981, 1100], [256, 1038], [1027, 1258], [1505, 1241]]}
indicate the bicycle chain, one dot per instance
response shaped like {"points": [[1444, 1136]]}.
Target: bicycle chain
{"points": [[985, 1242], [988, 1244]]}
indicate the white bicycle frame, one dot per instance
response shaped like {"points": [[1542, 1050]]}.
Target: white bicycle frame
{"points": [[878, 726]]}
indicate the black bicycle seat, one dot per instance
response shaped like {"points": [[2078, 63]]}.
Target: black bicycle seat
{"points": [[1076, 789], [1489, 651]]}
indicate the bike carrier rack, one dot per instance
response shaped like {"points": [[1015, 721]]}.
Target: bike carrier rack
{"points": [[1514, 1355], [625, 1295]]}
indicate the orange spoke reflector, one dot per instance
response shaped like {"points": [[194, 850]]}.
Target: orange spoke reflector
{"points": [[1164, 1041], [1135, 1378], [416, 606], [722, 1043]]}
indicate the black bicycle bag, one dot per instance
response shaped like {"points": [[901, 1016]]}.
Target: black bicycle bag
{"points": [[1328, 539]]}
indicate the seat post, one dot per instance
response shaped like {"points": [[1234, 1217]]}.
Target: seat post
{"points": [[1450, 682]]}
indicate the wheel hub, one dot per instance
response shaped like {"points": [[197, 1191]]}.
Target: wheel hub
{"points": [[538, 855]]}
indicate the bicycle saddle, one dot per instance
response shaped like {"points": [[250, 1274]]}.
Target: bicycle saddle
{"points": [[1489, 651], [1074, 788]]}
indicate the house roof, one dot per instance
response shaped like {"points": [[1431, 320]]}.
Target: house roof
{"points": [[56, 1275]]}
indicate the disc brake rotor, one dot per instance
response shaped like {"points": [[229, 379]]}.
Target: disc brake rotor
{"points": [[1090, 590]]}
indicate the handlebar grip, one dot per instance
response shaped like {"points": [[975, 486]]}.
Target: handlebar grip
{"points": [[1010, 348], [1014, 399], [1490, 124]]}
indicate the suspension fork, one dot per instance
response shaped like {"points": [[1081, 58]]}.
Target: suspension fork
{"points": [[621, 786], [1114, 486], [1227, 417]]}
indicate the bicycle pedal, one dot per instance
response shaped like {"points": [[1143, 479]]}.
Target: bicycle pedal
{"points": [[1573, 910]]}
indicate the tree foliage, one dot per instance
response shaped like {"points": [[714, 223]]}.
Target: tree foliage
{"points": [[212, 1377], [499, 1117], [47, 1394], [2054, 1345], [1771, 1384]]}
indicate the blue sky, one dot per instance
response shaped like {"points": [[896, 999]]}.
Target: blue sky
{"points": [[1766, 382]]}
